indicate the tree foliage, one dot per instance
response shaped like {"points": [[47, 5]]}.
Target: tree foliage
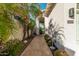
{"points": [[8, 10]]}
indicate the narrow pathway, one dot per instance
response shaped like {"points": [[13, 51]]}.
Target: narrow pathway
{"points": [[37, 47]]}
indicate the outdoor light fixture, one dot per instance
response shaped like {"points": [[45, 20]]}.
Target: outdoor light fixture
{"points": [[71, 13]]}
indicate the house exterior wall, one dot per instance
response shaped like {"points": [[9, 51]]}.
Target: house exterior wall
{"points": [[70, 29], [57, 14], [60, 15]]}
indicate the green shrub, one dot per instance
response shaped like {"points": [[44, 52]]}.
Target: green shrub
{"points": [[48, 40], [6, 27], [14, 47]]}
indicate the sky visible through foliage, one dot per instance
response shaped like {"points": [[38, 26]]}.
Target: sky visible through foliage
{"points": [[43, 6]]}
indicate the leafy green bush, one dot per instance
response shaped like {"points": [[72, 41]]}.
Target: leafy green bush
{"points": [[48, 40], [6, 26], [13, 47], [41, 30], [31, 24]]}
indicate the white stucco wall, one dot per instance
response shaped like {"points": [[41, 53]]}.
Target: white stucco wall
{"points": [[70, 29], [77, 32], [57, 14], [60, 15]]}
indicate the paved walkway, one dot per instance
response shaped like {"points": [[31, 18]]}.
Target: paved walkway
{"points": [[37, 47]]}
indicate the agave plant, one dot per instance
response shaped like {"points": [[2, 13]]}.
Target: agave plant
{"points": [[56, 36]]}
